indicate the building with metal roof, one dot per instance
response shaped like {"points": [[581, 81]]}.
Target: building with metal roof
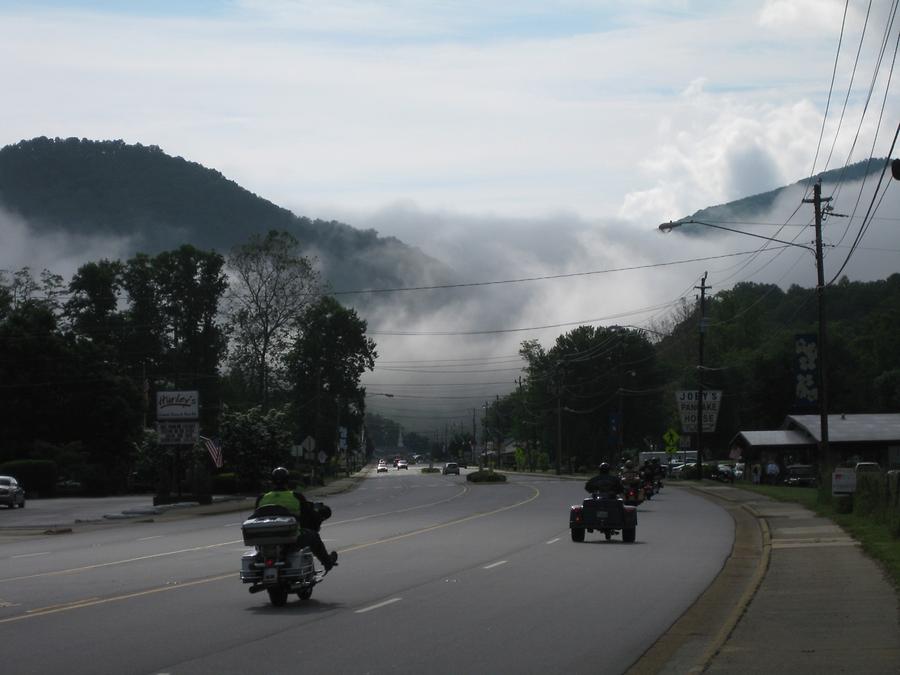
{"points": [[865, 437]]}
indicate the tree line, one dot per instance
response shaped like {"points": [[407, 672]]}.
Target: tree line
{"points": [[274, 358], [603, 393]]}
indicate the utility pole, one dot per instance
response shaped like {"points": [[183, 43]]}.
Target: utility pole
{"points": [[702, 288], [474, 437], [824, 458]]}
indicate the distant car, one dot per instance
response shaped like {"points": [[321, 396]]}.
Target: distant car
{"points": [[451, 467], [402, 464], [800, 475], [381, 467], [11, 493], [862, 467]]}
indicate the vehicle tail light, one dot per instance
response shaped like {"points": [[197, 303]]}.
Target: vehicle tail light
{"points": [[270, 563]]}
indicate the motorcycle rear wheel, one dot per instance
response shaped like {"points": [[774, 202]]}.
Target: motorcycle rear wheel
{"points": [[278, 596], [578, 534], [629, 534], [305, 593]]}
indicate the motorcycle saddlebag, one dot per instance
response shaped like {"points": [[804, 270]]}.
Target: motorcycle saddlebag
{"points": [[269, 530]]}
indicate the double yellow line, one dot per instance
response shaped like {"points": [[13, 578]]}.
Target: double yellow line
{"points": [[92, 602]]}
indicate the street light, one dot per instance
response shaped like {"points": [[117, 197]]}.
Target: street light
{"points": [[824, 459]]}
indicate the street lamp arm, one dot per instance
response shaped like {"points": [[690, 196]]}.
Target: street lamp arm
{"points": [[666, 227]]}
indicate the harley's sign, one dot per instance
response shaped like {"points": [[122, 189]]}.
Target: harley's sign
{"points": [[177, 405]]}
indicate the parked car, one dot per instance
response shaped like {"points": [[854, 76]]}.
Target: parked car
{"points": [[401, 464], [724, 473], [451, 467], [800, 475], [863, 467], [11, 493]]}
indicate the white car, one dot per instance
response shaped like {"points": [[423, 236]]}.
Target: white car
{"points": [[451, 467], [381, 467], [401, 464]]}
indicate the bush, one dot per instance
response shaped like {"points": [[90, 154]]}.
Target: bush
{"points": [[431, 469], [37, 476], [843, 503], [871, 497], [224, 484], [486, 476]]}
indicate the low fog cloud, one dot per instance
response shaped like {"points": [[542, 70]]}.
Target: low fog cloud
{"points": [[59, 252]]}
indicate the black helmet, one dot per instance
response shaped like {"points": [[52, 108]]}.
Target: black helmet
{"points": [[604, 468], [280, 476]]}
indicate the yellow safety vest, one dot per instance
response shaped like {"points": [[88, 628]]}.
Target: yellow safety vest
{"points": [[284, 498]]}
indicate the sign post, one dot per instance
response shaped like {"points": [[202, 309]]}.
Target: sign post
{"points": [[177, 423]]}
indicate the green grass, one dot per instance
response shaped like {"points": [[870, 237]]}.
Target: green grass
{"points": [[874, 537]]}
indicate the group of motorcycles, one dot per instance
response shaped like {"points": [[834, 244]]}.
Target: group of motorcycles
{"points": [[611, 514], [641, 485]]}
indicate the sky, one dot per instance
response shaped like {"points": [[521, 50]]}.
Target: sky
{"points": [[507, 139]]}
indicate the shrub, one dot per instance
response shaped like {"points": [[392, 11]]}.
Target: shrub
{"points": [[431, 469], [871, 497], [843, 503], [37, 476], [224, 483], [486, 476]]}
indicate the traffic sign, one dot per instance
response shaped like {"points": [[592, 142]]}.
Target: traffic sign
{"points": [[671, 439]]}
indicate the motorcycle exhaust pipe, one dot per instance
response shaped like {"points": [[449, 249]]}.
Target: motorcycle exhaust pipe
{"points": [[256, 589]]}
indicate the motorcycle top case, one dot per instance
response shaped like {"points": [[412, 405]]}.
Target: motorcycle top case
{"points": [[269, 530]]}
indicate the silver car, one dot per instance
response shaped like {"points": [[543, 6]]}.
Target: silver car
{"points": [[11, 493], [451, 467]]}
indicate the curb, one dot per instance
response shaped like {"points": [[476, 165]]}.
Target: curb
{"points": [[691, 643]]}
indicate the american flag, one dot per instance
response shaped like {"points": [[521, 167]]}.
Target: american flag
{"points": [[215, 451]]}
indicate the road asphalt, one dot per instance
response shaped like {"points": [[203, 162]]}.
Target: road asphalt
{"points": [[797, 594]]}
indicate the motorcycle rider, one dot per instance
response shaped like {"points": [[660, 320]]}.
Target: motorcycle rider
{"points": [[302, 509], [605, 483], [629, 475]]}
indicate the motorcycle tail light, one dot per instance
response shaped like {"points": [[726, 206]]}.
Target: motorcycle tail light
{"points": [[270, 563]]}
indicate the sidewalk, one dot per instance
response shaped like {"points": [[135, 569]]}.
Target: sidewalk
{"points": [[797, 596]]}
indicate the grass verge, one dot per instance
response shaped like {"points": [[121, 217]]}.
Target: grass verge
{"points": [[874, 537]]}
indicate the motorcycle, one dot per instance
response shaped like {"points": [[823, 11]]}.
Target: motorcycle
{"points": [[648, 489], [277, 564], [633, 494], [604, 513]]}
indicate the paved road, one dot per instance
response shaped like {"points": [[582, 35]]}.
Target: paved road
{"points": [[435, 575], [65, 511]]}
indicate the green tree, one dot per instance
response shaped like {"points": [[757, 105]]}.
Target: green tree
{"points": [[254, 442], [324, 369], [272, 286]]}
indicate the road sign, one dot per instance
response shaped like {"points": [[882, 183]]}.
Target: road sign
{"points": [[687, 401], [343, 436], [178, 433], [322, 457], [671, 439]]}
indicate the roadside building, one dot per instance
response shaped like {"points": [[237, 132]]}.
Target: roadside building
{"points": [[865, 437]]}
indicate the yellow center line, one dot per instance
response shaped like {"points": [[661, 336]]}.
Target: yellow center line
{"points": [[449, 523], [81, 604], [92, 602], [85, 568]]}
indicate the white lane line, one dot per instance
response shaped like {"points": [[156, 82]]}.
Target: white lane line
{"points": [[31, 555], [496, 564], [158, 536], [378, 606], [231, 525], [553, 541]]}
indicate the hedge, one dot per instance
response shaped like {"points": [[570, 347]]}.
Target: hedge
{"points": [[37, 476]]}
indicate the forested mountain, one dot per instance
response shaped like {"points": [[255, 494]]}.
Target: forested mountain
{"points": [[89, 187]]}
